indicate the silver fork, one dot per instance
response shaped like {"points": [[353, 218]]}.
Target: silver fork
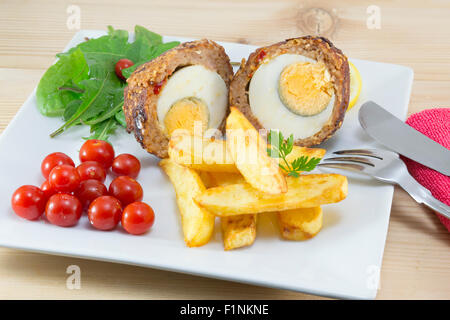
{"points": [[385, 166]]}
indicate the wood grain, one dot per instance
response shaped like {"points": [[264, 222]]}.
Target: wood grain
{"points": [[413, 33]]}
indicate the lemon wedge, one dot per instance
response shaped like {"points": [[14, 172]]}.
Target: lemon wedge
{"points": [[355, 85]]}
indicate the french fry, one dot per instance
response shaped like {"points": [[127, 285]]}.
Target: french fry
{"points": [[298, 152], [225, 178], [237, 231], [249, 152], [197, 222], [305, 191], [303, 223], [215, 156], [201, 154], [300, 224], [207, 179]]}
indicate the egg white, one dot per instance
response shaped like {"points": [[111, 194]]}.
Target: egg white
{"points": [[268, 108], [199, 82]]}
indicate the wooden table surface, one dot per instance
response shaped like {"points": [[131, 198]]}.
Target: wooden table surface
{"points": [[416, 262]]}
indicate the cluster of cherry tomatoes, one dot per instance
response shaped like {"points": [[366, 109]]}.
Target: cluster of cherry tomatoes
{"points": [[69, 190]]}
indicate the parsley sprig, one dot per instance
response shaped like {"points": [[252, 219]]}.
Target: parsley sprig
{"points": [[280, 148]]}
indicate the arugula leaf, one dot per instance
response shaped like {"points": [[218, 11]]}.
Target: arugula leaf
{"points": [[280, 148], [146, 56], [51, 101], [120, 117], [71, 108], [72, 88], [142, 33], [117, 32], [103, 129], [95, 98], [102, 54], [106, 115], [109, 94]]}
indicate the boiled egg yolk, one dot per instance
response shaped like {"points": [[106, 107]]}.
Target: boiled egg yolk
{"points": [[305, 88], [190, 114]]}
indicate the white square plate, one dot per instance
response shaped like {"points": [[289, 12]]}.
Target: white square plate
{"points": [[343, 260]]}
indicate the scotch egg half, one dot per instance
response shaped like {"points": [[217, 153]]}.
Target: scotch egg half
{"points": [[300, 87], [186, 88]]}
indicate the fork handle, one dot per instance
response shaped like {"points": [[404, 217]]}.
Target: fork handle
{"points": [[423, 195]]}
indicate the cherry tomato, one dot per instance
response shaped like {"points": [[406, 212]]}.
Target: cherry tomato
{"points": [[104, 213], [91, 170], [126, 165], [53, 160], [63, 210], [99, 151], [138, 218], [126, 189], [28, 202], [64, 178], [48, 190], [89, 190], [122, 64]]}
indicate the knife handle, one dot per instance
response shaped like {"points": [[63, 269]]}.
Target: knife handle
{"points": [[423, 195]]}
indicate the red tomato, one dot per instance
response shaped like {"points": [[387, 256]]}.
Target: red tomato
{"points": [[126, 189], [63, 210], [89, 190], [48, 190], [138, 218], [28, 202], [104, 213], [53, 160], [99, 151], [91, 170], [122, 64], [126, 165], [64, 178]]}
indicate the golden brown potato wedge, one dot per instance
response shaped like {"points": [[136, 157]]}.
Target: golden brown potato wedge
{"points": [[249, 152], [238, 231], [207, 179], [215, 156], [201, 153], [197, 222], [300, 224], [225, 178], [304, 192], [304, 223], [298, 152]]}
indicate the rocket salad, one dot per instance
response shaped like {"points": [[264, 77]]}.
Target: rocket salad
{"points": [[83, 88]]}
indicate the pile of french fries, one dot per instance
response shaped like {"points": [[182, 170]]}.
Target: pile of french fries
{"points": [[235, 179]]}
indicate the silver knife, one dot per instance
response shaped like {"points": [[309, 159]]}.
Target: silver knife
{"points": [[398, 136]]}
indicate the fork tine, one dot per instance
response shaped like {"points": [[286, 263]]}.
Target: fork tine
{"points": [[359, 152], [352, 159], [343, 166]]}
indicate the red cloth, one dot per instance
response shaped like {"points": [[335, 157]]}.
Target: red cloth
{"points": [[435, 124]]}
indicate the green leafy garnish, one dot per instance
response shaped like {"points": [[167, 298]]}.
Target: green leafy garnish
{"points": [[120, 118], [103, 129], [82, 87], [52, 101], [280, 148]]}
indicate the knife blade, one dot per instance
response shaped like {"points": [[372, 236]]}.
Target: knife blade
{"points": [[403, 139]]}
